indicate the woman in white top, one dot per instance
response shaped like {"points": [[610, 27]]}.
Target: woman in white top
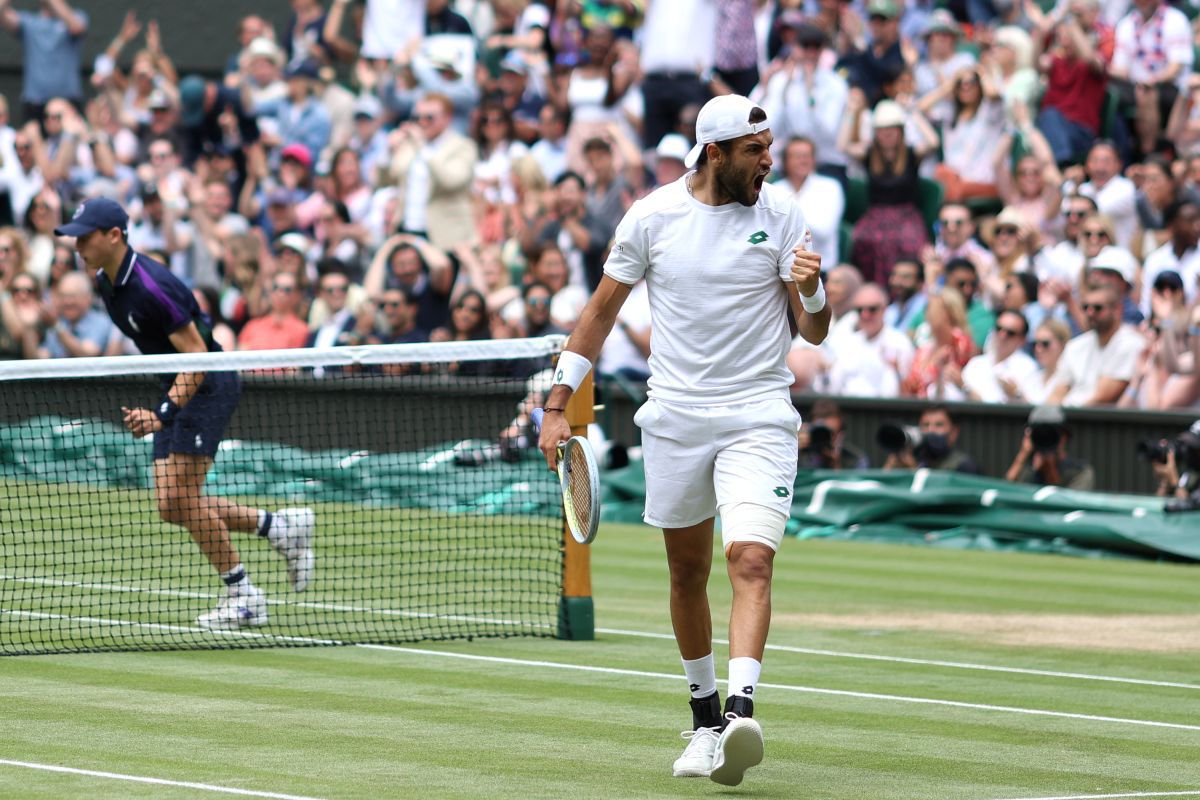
{"points": [[494, 194], [1048, 342], [970, 141], [595, 89]]}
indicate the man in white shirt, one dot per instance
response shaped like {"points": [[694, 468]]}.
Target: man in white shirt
{"points": [[1097, 365], [956, 239], [1115, 195], [678, 46], [1152, 56], [1064, 261], [1004, 371], [871, 360], [723, 256], [1180, 254], [820, 198]]}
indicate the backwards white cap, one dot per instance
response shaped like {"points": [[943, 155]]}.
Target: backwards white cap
{"points": [[723, 118]]}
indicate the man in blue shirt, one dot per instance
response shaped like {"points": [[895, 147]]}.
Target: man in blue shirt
{"points": [[158, 313], [51, 41]]}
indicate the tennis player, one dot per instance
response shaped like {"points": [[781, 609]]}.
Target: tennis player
{"points": [[724, 258], [154, 309]]}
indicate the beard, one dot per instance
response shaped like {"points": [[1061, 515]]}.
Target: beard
{"points": [[741, 185]]}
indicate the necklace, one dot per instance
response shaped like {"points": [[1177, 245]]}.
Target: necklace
{"points": [[688, 183]]}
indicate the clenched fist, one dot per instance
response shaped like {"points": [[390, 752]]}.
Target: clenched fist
{"points": [[806, 271]]}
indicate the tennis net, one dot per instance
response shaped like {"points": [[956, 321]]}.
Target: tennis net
{"points": [[404, 471]]}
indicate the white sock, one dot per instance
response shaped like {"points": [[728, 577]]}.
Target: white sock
{"points": [[743, 676], [701, 675]]}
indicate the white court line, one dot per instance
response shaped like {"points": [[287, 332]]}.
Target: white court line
{"points": [[621, 632], [1083, 676], [117, 776], [1105, 796], [787, 687]]}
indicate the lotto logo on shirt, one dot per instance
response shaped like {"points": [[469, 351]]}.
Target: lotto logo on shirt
{"points": [[757, 237]]}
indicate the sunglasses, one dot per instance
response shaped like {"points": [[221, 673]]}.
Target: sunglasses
{"points": [[953, 223], [1042, 342], [336, 289], [1095, 234], [1076, 214], [1007, 230], [1088, 308], [869, 309], [392, 303], [424, 117], [284, 289], [23, 146], [1009, 332], [964, 284], [24, 290]]}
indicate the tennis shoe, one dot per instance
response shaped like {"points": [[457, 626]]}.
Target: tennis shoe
{"points": [[292, 535], [240, 608], [697, 758], [739, 748]]}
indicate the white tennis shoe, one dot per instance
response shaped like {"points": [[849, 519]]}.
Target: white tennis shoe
{"points": [[291, 535], [697, 758], [238, 609], [739, 748]]}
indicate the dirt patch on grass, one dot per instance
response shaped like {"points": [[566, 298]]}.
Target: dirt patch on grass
{"points": [[1142, 633]]}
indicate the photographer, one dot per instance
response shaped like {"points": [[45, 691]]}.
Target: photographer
{"points": [[1043, 460], [822, 441], [1167, 459], [930, 445]]}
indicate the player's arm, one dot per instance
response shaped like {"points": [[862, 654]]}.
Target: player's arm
{"points": [[595, 323], [143, 421], [804, 292]]}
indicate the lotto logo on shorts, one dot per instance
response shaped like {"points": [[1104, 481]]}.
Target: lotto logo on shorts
{"points": [[781, 491], [758, 237]]}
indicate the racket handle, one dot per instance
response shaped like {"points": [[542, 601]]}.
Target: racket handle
{"points": [[536, 415]]}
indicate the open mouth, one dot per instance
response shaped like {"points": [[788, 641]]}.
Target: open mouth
{"points": [[758, 181]]}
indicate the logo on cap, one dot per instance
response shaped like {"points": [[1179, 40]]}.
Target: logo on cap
{"points": [[79, 211]]}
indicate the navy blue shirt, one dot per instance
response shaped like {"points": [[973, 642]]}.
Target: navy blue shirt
{"points": [[148, 304]]}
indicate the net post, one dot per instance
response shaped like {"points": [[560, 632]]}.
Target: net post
{"points": [[576, 616]]}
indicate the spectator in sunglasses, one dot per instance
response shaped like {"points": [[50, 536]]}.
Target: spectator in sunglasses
{"points": [[870, 360], [1097, 365], [1003, 371], [1049, 340], [1063, 262], [1180, 255], [281, 327]]}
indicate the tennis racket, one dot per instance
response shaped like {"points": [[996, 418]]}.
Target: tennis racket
{"points": [[580, 480]]}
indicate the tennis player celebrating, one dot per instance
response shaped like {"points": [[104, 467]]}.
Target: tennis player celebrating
{"points": [[154, 309], [723, 257]]}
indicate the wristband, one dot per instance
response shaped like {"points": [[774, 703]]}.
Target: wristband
{"points": [[559, 410], [572, 369], [815, 303], [166, 411]]}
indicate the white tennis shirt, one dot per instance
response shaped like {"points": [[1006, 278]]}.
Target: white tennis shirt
{"points": [[719, 333]]}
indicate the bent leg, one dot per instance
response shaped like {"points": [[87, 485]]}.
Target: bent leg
{"points": [[750, 566], [179, 491], [243, 519], [689, 558]]}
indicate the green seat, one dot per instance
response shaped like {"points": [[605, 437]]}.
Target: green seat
{"points": [[1108, 114], [984, 206], [929, 200], [856, 200], [845, 241]]}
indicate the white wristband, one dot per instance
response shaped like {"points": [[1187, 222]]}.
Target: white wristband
{"points": [[572, 369], [815, 303]]}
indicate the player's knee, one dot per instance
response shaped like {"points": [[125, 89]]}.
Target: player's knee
{"points": [[175, 507], [751, 562], [689, 573], [752, 524]]}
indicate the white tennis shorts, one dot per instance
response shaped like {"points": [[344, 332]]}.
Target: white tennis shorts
{"points": [[699, 458]]}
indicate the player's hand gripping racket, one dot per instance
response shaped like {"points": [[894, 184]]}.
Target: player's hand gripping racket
{"points": [[580, 480]]}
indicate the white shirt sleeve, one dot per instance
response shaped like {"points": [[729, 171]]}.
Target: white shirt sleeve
{"points": [[1120, 362], [795, 234], [629, 257]]}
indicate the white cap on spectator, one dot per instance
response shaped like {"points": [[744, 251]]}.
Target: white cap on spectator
{"points": [[442, 54], [368, 105], [723, 118], [1118, 260], [262, 47], [159, 99], [888, 114], [294, 241], [673, 145]]}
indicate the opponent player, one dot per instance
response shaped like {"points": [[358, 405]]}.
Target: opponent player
{"points": [[154, 309], [723, 257]]}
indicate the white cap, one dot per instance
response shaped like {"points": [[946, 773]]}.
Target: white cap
{"points": [[723, 118], [673, 145], [888, 114], [262, 47], [1117, 259], [368, 105]]}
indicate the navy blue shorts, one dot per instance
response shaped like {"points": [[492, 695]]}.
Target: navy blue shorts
{"points": [[198, 427]]}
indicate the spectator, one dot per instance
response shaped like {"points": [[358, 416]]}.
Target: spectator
{"points": [[1156, 189], [212, 115], [1043, 459], [963, 278], [972, 136], [550, 150], [579, 235], [1115, 195], [298, 118], [871, 360], [906, 293], [338, 327], [1075, 74], [1031, 185], [260, 75], [536, 320], [51, 40], [937, 448], [281, 327], [427, 273], [76, 328], [1116, 269], [805, 99], [943, 60], [609, 194], [1003, 372], [222, 334], [947, 342], [399, 322], [822, 441], [20, 174], [1097, 365], [1009, 242], [20, 312], [1050, 339], [369, 140], [304, 36], [820, 198], [493, 188], [677, 47], [433, 167], [669, 156], [43, 216], [1153, 50], [596, 89], [874, 65], [956, 239], [1179, 255], [892, 224]]}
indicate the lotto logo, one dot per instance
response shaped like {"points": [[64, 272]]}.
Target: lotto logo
{"points": [[758, 237]]}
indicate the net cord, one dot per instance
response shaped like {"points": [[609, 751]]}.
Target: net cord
{"points": [[304, 357]]}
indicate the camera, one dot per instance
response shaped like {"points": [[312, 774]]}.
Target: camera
{"points": [[1185, 446], [1153, 451], [820, 437], [1045, 437], [896, 438]]}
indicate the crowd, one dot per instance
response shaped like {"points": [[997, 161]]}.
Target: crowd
{"points": [[1006, 193]]}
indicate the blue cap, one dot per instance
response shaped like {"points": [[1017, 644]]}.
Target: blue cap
{"points": [[97, 214]]}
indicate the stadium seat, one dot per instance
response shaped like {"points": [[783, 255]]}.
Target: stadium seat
{"points": [[845, 241], [856, 200], [929, 200], [1108, 114]]}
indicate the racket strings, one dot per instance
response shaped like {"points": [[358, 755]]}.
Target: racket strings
{"points": [[579, 487]]}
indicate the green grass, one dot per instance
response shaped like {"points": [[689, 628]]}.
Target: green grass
{"points": [[358, 722]]}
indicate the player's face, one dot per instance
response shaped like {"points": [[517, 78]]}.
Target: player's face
{"points": [[740, 175], [98, 247]]}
